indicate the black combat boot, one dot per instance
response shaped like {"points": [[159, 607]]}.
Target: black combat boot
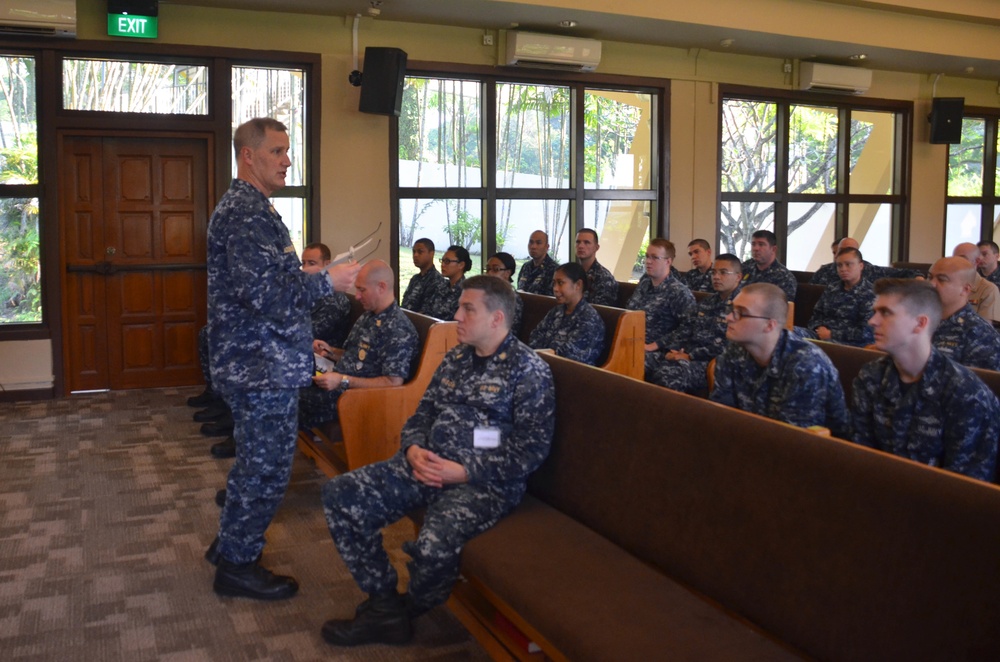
{"points": [[213, 556], [250, 580], [224, 449], [205, 398], [220, 427], [212, 412], [381, 619], [220, 498]]}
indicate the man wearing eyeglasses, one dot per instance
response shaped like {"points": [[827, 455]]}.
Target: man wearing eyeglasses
{"points": [[763, 265], [916, 402], [420, 291], [536, 274], [842, 312], [699, 338], [602, 286], [660, 294], [767, 370]]}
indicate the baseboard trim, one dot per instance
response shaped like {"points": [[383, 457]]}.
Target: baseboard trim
{"points": [[27, 394]]}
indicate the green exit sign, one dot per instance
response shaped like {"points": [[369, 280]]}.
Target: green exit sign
{"points": [[127, 25]]}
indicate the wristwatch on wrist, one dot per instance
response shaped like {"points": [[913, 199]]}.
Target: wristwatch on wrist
{"points": [[345, 381]]}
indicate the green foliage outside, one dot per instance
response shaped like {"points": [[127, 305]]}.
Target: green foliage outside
{"points": [[965, 160]]}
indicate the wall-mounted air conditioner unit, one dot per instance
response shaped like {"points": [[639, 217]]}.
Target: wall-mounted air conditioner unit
{"points": [[532, 49], [820, 77], [46, 18]]}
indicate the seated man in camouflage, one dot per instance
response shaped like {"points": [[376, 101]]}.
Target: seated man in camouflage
{"points": [[331, 316], [536, 274], [661, 295], [380, 350], [699, 279], [421, 290], [700, 337], [827, 274], [484, 424], [962, 335], [916, 402], [842, 312], [602, 288], [767, 370], [763, 265]]}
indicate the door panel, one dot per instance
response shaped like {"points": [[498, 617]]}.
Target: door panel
{"points": [[136, 216]]}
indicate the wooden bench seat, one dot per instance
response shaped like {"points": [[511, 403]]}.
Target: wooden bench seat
{"points": [[371, 419], [663, 526]]}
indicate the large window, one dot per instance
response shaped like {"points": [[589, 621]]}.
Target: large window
{"points": [[973, 196], [812, 172], [20, 264], [548, 156]]}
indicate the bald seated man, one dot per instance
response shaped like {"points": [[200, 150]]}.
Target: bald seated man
{"points": [[536, 274], [380, 350], [963, 336], [985, 297]]}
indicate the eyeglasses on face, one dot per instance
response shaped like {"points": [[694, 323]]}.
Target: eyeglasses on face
{"points": [[448, 260], [495, 270], [655, 258], [721, 272], [739, 313]]}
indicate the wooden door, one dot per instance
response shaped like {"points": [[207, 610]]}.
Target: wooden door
{"points": [[134, 215]]}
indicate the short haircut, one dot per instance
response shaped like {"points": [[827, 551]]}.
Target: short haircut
{"points": [[848, 251], [497, 295], [589, 231], [323, 249], [666, 245], [918, 297], [700, 242], [462, 255], [426, 243], [575, 272], [992, 244], [775, 301], [836, 242], [732, 261], [772, 239], [251, 133]]}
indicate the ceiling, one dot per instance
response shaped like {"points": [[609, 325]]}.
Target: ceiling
{"points": [[499, 15]]}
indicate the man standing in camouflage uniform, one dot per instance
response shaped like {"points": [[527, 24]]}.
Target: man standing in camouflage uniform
{"points": [[419, 293], [842, 312], [259, 330], [380, 351], [662, 296], [963, 336], [989, 252], [915, 402], [536, 274], [763, 265], [767, 370], [602, 287], [699, 338], [699, 279], [484, 424]]}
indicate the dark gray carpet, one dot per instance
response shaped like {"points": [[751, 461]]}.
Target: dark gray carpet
{"points": [[106, 507]]}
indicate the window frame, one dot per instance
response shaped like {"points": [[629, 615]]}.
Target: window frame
{"points": [[577, 194], [989, 199], [842, 199]]}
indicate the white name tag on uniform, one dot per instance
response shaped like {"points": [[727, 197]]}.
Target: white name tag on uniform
{"points": [[486, 438]]}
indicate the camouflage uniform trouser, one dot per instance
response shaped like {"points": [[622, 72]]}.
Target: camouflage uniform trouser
{"points": [[317, 406], [358, 504], [265, 432], [203, 354], [683, 376]]}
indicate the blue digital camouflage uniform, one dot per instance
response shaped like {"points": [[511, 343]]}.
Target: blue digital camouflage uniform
{"points": [[421, 291], [379, 345], [203, 355], [602, 288], [776, 274], [845, 312], [331, 319], [702, 336], [578, 336], [967, 338], [444, 302], [698, 281], [799, 386], [993, 277], [537, 280], [827, 274], [949, 419], [260, 352], [512, 391], [665, 305]]}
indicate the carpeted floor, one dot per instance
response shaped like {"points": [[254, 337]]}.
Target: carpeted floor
{"points": [[106, 507]]}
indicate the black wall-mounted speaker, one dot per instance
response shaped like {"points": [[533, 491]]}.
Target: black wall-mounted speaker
{"points": [[382, 81], [946, 120], [134, 7]]}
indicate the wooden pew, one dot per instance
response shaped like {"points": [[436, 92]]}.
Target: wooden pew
{"points": [[371, 419], [668, 527], [624, 333]]}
